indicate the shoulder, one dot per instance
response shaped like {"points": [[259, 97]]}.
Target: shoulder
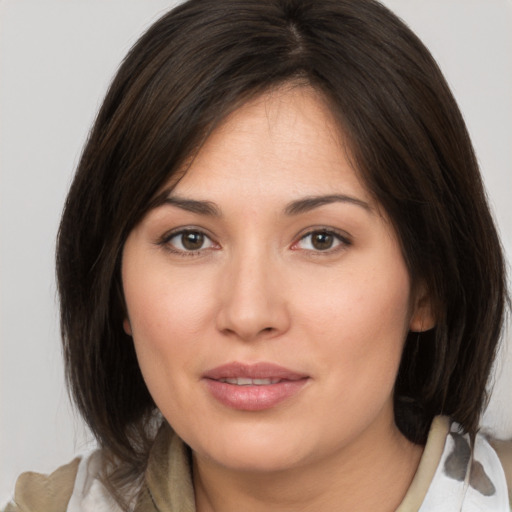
{"points": [[74, 487], [460, 473], [470, 476], [45, 493], [504, 451]]}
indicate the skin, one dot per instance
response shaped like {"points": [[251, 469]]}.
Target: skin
{"points": [[260, 289]]}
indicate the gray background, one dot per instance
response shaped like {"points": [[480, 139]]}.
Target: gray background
{"points": [[56, 59]]}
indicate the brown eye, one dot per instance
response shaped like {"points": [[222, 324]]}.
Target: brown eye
{"points": [[192, 240], [322, 241], [188, 241]]}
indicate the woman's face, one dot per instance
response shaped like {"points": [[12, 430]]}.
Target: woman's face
{"points": [[268, 299]]}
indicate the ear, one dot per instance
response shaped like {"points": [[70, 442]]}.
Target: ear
{"points": [[127, 327], [422, 318]]}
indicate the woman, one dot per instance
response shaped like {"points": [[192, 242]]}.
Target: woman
{"points": [[277, 272]]}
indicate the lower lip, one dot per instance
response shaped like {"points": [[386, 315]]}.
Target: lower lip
{"points": [[254, 398]]}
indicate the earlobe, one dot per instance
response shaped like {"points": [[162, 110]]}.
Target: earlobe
{"points": [[127, 327], [423, 318]]}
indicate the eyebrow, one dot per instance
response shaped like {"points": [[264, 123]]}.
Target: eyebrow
{"points": [[191, 205], [297, 207], [309, 203]]}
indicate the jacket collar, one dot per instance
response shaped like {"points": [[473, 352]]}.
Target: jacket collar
{"points": [[168, 479]]}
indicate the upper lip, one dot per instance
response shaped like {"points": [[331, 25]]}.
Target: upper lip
{"points": [[260, 370]]}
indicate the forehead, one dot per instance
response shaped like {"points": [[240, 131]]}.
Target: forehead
{"points": [[282, 142]]}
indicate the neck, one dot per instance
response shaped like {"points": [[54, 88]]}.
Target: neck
{"points": [[372, 473]]}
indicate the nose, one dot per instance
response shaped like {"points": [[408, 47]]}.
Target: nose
{"points": [[253, 301]]}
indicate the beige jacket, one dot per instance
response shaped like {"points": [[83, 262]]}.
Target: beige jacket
{"points": [[168, 485]]}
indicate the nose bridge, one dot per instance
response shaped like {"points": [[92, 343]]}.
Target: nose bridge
{"points": [[252, 300]]}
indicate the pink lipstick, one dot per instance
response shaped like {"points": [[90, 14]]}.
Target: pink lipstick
{"points": [[253, 387]]}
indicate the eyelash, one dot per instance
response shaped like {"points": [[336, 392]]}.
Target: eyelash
{"points": [[166, 239], [342, 239]]}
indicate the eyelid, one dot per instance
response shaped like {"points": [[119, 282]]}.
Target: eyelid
{"points": [[341, 236], [164, 240]]}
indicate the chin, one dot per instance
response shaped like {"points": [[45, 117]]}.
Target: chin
{"points": [[256, 453], [257, 461]]}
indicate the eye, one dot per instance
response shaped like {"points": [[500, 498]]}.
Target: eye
{"points": [[321, 240], [188, 241]]}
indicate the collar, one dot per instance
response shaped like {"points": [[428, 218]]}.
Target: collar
{"points": [[168, 479], [169, 485]]}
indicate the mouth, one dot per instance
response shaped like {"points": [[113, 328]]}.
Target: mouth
{"points": [[260, 373], [253, 387], [243, 381]]}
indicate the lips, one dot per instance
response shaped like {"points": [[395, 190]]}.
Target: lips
{"points": [[244, 381], [253, 387]]}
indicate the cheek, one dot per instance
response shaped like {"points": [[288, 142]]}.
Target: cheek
{"points": [[359, 318], [167, 314]]}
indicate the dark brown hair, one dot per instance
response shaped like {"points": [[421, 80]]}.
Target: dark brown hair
{"points": [[408, 142]]}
